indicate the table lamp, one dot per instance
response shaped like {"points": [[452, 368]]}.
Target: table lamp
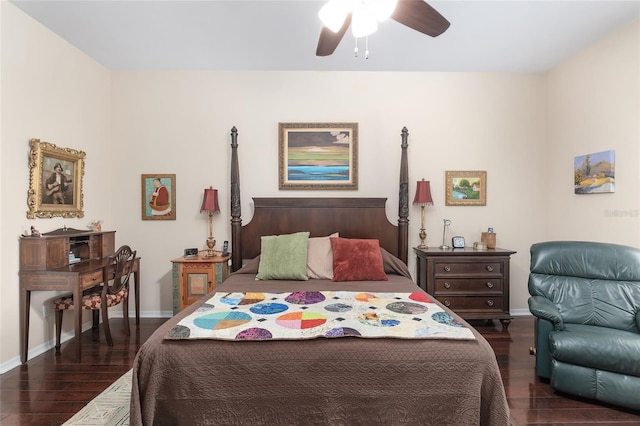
{"points": [[210, 205], [422, 198]]}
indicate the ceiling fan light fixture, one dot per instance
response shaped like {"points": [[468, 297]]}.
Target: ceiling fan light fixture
{"points": [[363, 22], [334, 13], [384, 8]]}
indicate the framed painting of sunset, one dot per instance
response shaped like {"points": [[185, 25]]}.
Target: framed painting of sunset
{"points": [[318, 156]]}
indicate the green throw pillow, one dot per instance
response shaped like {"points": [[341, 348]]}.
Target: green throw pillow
{"points": [[283, 257]]}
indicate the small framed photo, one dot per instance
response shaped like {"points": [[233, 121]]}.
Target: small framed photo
{"points": [[159, 197], [466, 188], [318, 156], [55, 176]]}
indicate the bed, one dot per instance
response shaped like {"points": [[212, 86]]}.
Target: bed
{"points": [[345, 379]]}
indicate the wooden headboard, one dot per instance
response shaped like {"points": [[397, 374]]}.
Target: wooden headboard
{"points": [[351, 217]]}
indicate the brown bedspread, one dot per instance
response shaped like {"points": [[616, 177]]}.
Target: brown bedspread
{"points": [[346, 381]]}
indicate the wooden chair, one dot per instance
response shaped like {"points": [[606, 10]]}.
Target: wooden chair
{"points": [[113, 291]]}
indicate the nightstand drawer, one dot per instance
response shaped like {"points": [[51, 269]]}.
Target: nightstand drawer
{"points": [[468, 285], [472, 303], [473, 268]]}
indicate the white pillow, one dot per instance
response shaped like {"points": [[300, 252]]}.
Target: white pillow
{"points": [[320, 258]]}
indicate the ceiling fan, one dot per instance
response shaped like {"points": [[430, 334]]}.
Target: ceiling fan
{"points": [[338, 15]]}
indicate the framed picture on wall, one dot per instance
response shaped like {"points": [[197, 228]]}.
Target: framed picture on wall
{"points": [[55, 175], [466, 188], [318, 156], [594, 173], [158, 197]]}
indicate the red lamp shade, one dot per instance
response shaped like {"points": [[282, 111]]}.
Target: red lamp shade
{"points": [[210, 201], [423, 193]]}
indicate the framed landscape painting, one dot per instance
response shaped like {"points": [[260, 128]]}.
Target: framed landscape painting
{"points": [[466, 188], [594, 173], [318, 156]]}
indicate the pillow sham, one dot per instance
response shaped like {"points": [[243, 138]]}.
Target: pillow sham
{"points": [[283, 257], [357, 260], [320, 258]]}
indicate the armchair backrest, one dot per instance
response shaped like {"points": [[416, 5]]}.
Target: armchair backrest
{"points": [[590, 283]]}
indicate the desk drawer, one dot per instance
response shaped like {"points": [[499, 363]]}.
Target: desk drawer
{"points": [[91, 279], [475, 268]]}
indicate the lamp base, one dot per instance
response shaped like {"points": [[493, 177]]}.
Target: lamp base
{"points": [[445, 247], [210, 244], [423, 236]]}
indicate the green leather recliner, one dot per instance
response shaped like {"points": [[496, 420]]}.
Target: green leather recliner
{"points": [[586, 299]]}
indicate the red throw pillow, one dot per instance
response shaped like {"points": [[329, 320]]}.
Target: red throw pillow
{"points": [[357, 260]]}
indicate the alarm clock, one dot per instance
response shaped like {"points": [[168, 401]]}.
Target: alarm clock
{"points": [[457, 242], [191, 252]]}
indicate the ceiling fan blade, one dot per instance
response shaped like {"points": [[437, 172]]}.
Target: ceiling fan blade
{"points": [[329, 40], [418, 15]]}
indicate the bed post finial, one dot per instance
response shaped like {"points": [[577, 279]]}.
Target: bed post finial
{"points": [[403, 201], [236, 220]]}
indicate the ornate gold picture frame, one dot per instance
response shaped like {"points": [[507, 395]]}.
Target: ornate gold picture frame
{"points": [[466, 188], [55, 181], [318, 156]]}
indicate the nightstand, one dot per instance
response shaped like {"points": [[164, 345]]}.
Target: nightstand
{"points": [[472, 283], [193, 277]]}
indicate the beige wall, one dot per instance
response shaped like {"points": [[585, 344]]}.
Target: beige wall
{"points": [[594, 105], [133, 123], [180, 122], [50, 91]]}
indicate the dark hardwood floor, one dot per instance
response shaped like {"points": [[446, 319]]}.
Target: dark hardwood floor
{"points": [[52, 387]]}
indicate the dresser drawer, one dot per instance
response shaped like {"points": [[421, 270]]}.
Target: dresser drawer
{"points": [[488, 286], [473, 268], [92, 279], [472, 303]]}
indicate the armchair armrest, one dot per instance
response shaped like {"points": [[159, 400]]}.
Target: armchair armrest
{"points": [[545, 309]]}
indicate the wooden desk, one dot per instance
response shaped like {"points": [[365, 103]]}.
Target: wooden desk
{"points": [[75, 278], [44, 265]]}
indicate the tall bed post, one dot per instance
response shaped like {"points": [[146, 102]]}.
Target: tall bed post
{"points": [[236, 219], [403, 201]]}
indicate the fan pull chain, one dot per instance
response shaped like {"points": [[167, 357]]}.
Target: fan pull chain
{"points": [[355, 51], [366, 47]]}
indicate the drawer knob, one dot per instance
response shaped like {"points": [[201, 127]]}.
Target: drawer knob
{"points": [[447, 285], [447, 268], [447, 303], [490, 284], [489, 268], [490, 302]]}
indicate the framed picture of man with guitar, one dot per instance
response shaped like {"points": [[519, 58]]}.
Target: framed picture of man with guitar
{"points": [[56, 181]]}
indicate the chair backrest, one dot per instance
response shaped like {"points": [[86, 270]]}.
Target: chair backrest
{"points": [[118, 269], [590, 283]]}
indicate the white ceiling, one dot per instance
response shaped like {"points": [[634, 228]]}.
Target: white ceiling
{"points": [[492, 36]]}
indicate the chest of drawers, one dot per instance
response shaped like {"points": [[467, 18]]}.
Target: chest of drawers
{"points": [[472, 283]]}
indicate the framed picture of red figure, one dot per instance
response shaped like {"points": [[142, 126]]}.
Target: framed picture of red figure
{"points": [[158, 197]]}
